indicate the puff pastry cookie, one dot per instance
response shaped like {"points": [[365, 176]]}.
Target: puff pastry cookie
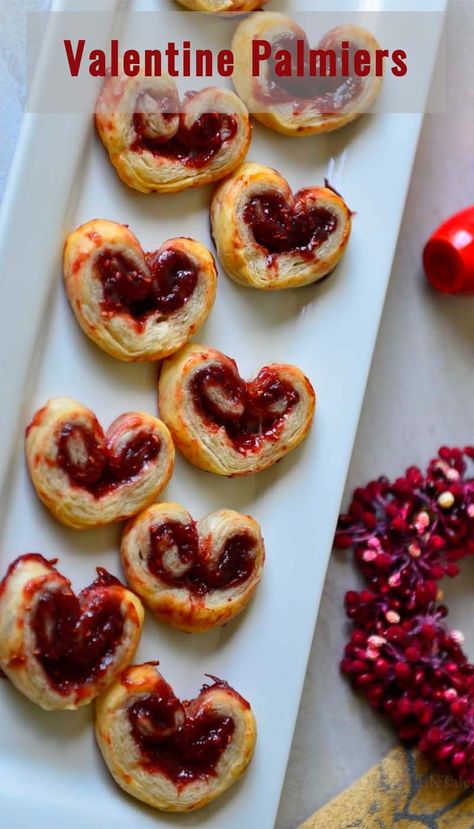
{"points": [[87, 478], [136, 305], [59, 649], [193, 575], [307, 105], [268, 238], [175, 756], [222, 5], [158, 144], [225, 425]]}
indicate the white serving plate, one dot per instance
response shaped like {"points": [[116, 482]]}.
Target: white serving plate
{"points": [[50, 769]]}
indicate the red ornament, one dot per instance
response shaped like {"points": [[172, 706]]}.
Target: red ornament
{"points": [[448, 257]]}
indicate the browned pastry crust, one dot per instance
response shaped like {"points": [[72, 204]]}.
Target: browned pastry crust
{"points": [[137, 720], [288, 265], [194, 576], [118, 324], [140, 150], [218, 437], [88, 479], [222, 6], [59, 650], [285, 113]]}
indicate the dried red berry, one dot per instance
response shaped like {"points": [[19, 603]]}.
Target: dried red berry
{"points": [[406, 536]]}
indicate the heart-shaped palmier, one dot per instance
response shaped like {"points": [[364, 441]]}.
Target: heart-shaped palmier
{"points": [[87, 478], [288, 92], [268, 238], [175, 756], [158, 144], [220, 6], [136, 305], [59, 649], [225, 425], [193, 575]]}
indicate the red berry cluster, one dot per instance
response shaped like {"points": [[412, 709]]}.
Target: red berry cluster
{"points": [[406, 536]]}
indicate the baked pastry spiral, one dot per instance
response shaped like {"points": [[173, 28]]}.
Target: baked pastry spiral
{"points": [[268, 238], [225, 425], [59, 649], [193, 575], [240, 6], [175, 756], [158, 144], [87, 478], [305, 105], [136, 305]]}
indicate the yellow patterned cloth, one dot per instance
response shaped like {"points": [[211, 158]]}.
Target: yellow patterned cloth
{"points": [[401, 792]]}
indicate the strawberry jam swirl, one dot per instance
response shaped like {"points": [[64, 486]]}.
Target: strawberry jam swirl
{"points": [[76, 637], [328, 94], [251, 412], [407, 535], [280, 228], [91, 464], [179, 559], [180, 740], [160, 287], [162, 130]]}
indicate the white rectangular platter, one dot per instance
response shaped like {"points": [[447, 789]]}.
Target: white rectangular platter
{"points": [[50, 770]]}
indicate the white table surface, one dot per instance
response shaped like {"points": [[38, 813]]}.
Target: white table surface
{"points": [[420, 395]]}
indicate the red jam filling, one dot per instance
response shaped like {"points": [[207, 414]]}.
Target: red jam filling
{"points": [[194, 146], [183, 746], [190, 569], [330, 94], [280, 228], [76, 637], [89, 463], [249, 412], [162, 287]]}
